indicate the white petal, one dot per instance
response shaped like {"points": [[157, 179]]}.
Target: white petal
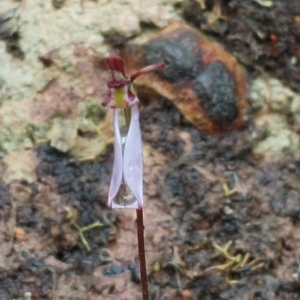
{"points": [[133, 158], [117, 173]]}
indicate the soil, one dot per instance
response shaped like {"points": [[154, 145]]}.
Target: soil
{"points": [[221, 222]]}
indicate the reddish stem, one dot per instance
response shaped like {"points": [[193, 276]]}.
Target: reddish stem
{"points": [[151, 68], [142, 256]]}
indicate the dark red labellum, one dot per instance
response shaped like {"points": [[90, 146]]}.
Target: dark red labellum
{"points": [[115, 63]]}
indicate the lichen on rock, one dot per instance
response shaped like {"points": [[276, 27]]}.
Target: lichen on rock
{"points": [[275, 104]]}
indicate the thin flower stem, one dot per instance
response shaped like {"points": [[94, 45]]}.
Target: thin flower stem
{"points": [[142, 256], [140, 232]]}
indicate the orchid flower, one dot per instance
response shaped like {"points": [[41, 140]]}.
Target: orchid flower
{"points": [[126, 186]]}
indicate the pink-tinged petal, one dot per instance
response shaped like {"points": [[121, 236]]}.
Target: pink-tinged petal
{"points": [[133, 158], [115, 63], [146, 70], [131, 98], [130, 205], [117, 174], [107, 99], [117, 84]]}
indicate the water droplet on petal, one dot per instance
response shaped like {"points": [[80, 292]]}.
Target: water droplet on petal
{"points": [[125, 196]]}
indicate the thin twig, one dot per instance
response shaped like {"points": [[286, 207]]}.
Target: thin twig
{"points": [[11, 226]]}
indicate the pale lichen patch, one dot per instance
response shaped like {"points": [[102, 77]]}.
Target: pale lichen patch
{"points": [[276, 106], [20, 165], [279, 138]]}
